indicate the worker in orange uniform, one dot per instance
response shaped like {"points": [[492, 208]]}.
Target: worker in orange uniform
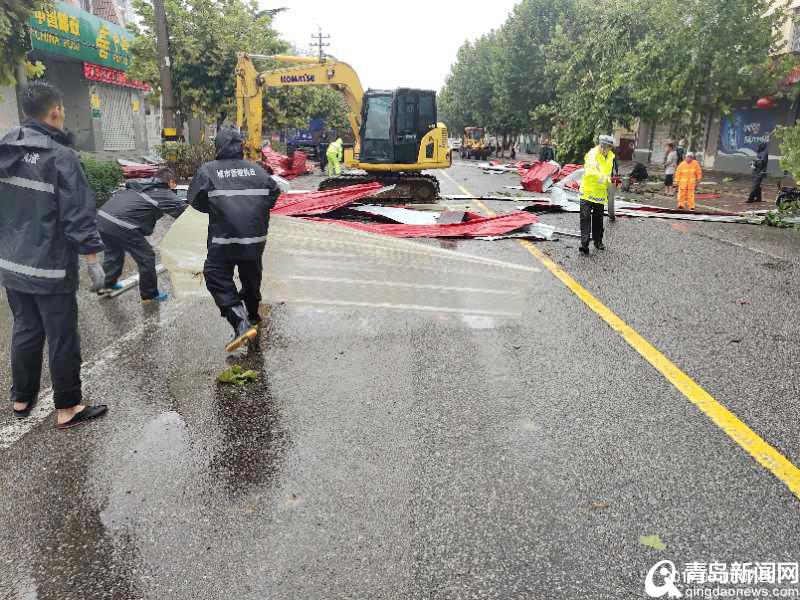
{"points": [[687, 176]]}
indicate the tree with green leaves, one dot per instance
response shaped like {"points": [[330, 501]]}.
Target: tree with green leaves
{"points": [[520, 81], [205, 36], [586, 62], [577, 68], [706, 56], [14, 35], [467, 95]]}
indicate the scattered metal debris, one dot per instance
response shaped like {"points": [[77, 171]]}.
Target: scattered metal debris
{"points": [[451, 216], [475, 226], [538, 231], [398, 215]]}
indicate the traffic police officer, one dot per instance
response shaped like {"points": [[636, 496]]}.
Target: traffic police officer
{"points": [[47, 218], [598, 165], [237, 195], [125, 220]]}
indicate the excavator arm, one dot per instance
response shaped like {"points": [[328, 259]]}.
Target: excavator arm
{"points": [[303, 72]]}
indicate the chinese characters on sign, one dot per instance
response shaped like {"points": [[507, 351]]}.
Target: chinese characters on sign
{"points": [[743, 130], [719, 579], [741, 573], [224, 174], [65, 30], [112, 76]]}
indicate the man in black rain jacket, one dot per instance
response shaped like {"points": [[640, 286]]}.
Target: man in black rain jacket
{"points": [[47, 218], [760, 165], [237, 195], [125, 220]]}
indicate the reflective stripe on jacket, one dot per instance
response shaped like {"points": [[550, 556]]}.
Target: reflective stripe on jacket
{"points": [[688, 174], [237, 195], [596, 175], [141, 205], [47, 211]]}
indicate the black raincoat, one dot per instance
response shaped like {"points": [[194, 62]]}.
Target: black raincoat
{"points": [[760, 165], [761, 162], [47, 211], [140, 206], [237, 195]]}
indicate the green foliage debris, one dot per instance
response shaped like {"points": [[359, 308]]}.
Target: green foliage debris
{"points": [[786, 217], [236, 375], [652, 541]]}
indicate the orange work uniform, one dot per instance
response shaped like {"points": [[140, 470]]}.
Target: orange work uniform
{"points": [[687, 176]]}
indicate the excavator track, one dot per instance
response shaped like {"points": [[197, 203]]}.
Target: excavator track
{"points": [[414, 187]]}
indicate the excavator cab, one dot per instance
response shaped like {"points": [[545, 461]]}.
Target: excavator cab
{"points": [[395, 132], [393, 125]]}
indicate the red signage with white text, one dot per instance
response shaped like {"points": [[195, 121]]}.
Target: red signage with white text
{"points": [[94, 72]]}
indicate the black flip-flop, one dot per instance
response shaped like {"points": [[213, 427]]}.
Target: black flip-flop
{"points": [[87, 414], [21, 414]]}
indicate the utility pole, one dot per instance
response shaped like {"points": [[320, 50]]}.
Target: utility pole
{"points": [[168, 130], [320, 44]]}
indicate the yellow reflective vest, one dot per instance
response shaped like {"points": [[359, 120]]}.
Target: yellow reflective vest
{"points": [[596, 175], [335, 150]]}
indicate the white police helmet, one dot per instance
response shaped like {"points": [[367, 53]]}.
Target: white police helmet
{"points": [[606, 140]]}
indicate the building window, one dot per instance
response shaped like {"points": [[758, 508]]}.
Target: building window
{"points": [[796, 29]]}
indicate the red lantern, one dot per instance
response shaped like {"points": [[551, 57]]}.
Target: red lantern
{"points": [[766, 102]]}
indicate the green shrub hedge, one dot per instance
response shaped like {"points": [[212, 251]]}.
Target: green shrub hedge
{"points": [[104, 177], [184, 158]]}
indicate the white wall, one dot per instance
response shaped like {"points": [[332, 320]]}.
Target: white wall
{"points": [[9, 114]]}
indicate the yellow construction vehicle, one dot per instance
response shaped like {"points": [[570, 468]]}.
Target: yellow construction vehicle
{"points": [[397, 135], [474, 144]]}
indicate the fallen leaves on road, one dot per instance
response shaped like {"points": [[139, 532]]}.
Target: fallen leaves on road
{"points": [[652, 541], [237, 376]]}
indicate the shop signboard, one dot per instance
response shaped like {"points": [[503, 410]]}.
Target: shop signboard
{"points": [[113, 77], [68, 31], [743, 130]]}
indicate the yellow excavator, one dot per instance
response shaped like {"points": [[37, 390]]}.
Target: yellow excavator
{"points": [[474, 144], [396, 132]]}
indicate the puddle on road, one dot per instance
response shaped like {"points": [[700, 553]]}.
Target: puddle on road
{"points": [[479, 322]]}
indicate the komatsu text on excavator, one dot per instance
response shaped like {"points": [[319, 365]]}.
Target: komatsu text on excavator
{"points": [[397, 135]]}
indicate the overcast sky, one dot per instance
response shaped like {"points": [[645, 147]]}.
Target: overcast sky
{"points": [[390, 44]]}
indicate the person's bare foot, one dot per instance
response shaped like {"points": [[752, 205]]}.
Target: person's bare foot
{"points": [[65, 414], [20, 406]]}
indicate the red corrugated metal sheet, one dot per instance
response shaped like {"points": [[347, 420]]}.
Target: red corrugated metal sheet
{"points": [[280, 164], [318, 203], [539, 177], [476, 227]]}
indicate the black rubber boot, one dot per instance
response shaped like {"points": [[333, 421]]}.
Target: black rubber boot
{"points": [[242, 329]]}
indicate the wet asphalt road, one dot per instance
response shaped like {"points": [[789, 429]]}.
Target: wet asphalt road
{"points": [[393, 455]]}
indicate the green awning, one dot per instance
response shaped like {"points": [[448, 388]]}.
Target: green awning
{"points": [[69, 31]]}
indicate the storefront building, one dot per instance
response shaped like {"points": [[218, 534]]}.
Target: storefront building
{"points": [[87, 58]]}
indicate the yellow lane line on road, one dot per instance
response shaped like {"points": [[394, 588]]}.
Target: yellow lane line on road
{"points": [[738, 431]]}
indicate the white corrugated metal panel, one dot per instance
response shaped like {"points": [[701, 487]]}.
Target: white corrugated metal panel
{"points": [[116, 117]]}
